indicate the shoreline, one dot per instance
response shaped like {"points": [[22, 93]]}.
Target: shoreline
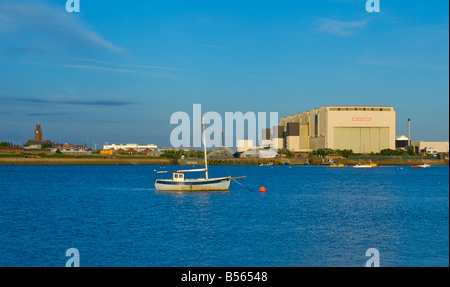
{"points": [[163, 161]]}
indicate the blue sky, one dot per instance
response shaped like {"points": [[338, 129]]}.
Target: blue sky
{"points": [[119, 69]]}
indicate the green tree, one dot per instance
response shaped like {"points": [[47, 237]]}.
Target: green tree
{"points": [[9, 145], [323, 152], [345, 152], [6, 144], [46, 145]]}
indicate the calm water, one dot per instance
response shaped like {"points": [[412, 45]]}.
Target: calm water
{"points": [[309, 216]]}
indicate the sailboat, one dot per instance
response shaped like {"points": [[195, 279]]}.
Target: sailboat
{"points": [[180, 183]]}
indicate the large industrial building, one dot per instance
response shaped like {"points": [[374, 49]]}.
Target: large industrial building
{"points": [[363, 129]]}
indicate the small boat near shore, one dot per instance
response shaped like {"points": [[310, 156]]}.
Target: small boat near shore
{"points": [[362, 166], [369, 165], [180, 183], [421, 166], [337, 165], [266, 164], [329, 162]]}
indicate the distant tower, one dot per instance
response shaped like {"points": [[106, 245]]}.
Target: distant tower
{"points": [[38, 134], [409, 133]]}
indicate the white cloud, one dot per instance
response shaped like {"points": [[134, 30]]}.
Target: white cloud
{"points": [[163, 74], [128, 65], [47, 26], [341, 28], [90, 67]]}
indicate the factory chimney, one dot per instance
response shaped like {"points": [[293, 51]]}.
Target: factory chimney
{"points": [[409, 133]]}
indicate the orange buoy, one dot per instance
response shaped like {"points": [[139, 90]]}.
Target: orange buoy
{"points": [[262, 189]]}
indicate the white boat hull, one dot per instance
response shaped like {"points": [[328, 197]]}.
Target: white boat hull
{"points": [[422, 166], [212, 184], [362, 166]]}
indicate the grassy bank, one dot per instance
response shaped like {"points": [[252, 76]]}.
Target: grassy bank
{"points": [[136, 160]]}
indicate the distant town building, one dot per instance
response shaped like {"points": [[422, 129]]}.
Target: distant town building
{"points": [[72, 146], [131, 151], [37, 142], [126, 147], [75, 151], [38, 134], [176, 149], [154, 153], [32, 144], [145, 151]]}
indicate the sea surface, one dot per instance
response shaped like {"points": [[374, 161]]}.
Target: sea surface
{"points": [[309, 216]]}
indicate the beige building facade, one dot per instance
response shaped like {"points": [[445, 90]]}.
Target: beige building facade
{"points": [[244, 145], [363, 129], [438, 147]]}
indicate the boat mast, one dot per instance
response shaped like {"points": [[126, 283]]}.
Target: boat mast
{"points": [[204, 148]]}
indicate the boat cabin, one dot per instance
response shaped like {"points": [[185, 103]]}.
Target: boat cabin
{"points": [[178, 176]]}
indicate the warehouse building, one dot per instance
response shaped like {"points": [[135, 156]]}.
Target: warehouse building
{"points": [[430, 147], [363, 129]]}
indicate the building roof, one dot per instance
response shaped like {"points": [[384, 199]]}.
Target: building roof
{"points": [[252, 152], [260, 151], [340, 106], [402, 138], [221, 152]]}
